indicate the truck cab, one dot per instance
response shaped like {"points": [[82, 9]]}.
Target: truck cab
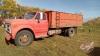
{"points": [[23, 30]]}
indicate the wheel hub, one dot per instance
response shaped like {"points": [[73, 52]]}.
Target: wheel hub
{"points": [[24, 38]]}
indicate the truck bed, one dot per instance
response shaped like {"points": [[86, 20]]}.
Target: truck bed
{"points": [[61, 19]]}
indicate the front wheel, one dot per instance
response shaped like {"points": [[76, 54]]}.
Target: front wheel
{"points": [[24, 38]]}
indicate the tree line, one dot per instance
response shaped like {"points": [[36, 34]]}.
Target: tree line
{"points": [[10, 8]]}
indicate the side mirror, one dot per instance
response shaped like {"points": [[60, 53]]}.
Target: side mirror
{"points": [[41, 17]]}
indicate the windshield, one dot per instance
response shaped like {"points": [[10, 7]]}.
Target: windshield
{"points": [[29, 15]]}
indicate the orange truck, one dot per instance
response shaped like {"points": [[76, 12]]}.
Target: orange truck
{"points": [[35, 25]]}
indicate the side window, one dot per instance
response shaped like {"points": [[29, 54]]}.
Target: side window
{"points": [[41, 16], [38, 16]]}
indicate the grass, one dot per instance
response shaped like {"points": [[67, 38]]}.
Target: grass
{"points": [[52, 46]]}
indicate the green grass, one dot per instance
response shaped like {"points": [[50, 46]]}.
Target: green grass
{"points": [[52, 46]]}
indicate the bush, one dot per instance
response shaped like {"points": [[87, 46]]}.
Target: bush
{"points": [[1, 20]]}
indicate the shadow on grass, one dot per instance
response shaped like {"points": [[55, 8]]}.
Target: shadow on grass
{"points": [[38, 39], [11, 41], [95, 52]]}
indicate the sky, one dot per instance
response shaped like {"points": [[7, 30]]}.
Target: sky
{"points": [[89, 8]]}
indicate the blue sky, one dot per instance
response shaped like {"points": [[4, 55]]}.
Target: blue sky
{"points": [[89, 8]]}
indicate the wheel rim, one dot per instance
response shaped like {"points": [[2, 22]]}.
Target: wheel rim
{"points": [[24, 39], [71, 32]]}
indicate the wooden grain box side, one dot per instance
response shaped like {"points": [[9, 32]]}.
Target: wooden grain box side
{"points": [[61, 19]]}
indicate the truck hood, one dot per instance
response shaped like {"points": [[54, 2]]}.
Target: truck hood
{"points": [[14, 21], [8, 20]]}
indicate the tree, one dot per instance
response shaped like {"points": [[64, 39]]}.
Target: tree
{"points": [[8, 6], [11, 8]]}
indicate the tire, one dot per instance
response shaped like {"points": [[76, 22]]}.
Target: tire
{"points": [[24, 38], [70, 32]]}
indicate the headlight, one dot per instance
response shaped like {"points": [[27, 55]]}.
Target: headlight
{"points": [[7, 27], [3, 25]]}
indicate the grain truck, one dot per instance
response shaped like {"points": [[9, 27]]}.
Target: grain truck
{"points": [[33, 25]]}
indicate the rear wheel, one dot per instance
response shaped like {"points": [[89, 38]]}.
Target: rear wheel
{"points": [[70, 32], [24, 38]]}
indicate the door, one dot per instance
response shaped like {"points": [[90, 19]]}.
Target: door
{"points": [[41, 24]]}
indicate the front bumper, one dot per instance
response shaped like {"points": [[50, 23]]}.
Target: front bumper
{"points": [[8, 36]]}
